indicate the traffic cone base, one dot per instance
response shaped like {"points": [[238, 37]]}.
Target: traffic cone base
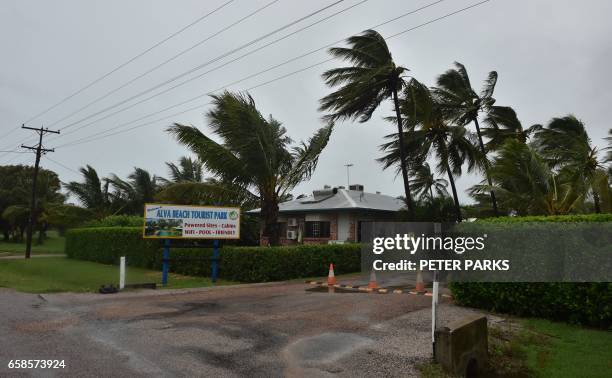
{"points": [[331, 277], [372, 284]]}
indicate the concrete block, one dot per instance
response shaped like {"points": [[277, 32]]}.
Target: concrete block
{"points": [[461, 347]]}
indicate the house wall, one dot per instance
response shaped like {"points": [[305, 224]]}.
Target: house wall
{"points": [[349, 220]]}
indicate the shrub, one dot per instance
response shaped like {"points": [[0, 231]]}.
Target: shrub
{"points": [[584, 303], [245, 264], [117, 221]]}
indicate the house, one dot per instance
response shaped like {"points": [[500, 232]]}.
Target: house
{"points": [[332, 215]]}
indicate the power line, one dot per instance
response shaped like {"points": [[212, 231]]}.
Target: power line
{"points": [[64, 166], [98, 99], [87, 139], [214, 69], [247, 77], [166, 39], [197, 68]]}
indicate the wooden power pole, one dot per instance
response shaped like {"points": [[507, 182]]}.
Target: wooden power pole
{"points": [[39, 151]]}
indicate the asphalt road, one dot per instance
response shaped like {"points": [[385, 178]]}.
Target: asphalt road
{"points": [[271, 330]]}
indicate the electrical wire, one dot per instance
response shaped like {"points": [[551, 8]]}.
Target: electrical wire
{"points": [[88, 140]]}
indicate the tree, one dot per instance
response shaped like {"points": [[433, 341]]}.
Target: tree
{"points": [[424, 183], [372, 78], [132, 194], [502, 124], [464, 103], [429, 133], [526, 183], [566, 146], [187, 170], [254, 154], [93, 192]]}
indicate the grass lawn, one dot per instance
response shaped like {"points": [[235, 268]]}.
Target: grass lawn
{"points": [[54, 244], [57, 274], [568, 351]]}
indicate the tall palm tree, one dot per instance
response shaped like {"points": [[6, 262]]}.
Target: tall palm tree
{"points": [[431, 134], [372, 78], [424, 183], [565, 144], [187, 170], [526, 183], [464, 103], [255, 153], [93, 192]]}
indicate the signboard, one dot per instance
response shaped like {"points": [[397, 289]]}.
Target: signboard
{"points": [[191, 222]]}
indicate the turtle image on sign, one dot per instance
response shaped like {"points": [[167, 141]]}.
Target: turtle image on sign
{"points": [[191, 222]]}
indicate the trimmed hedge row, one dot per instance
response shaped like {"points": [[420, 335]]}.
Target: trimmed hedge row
{"points": [[582, 303], [244, 264]]}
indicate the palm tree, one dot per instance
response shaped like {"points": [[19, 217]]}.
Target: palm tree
{"points": [[465, 104], [431, 134], [93, 192], [526, 183], [187, 170], [139, 188], [254, 154], [502, 124], [372, 78], [566, 146], [424, 183]]}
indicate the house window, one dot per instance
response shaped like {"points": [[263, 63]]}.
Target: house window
{"points": [[282, 229], [317, 229]]}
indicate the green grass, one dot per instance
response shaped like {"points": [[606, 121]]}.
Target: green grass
{"points": [[568, 351], [54, 244], [59, 274]]}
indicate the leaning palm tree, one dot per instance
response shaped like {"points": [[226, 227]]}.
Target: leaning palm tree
{"points": [[566, 146], [187, 170], [501, 124], [372, 78], [464, 103], [424, 183], [526, 183], [93, 192], [139, 188], [431, 134], [254, 154]]}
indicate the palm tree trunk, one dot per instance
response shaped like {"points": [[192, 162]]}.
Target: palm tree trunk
{"points": [[482, 149], [431, 194], [454, 189], [402, 151], [596, 202], [269, 217]]}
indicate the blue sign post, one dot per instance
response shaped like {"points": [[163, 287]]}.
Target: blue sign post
{"points": [[165, 262], [215, 259]]}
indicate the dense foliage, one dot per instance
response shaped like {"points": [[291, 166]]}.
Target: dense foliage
{"points": [[246, 264], [585, 303]]}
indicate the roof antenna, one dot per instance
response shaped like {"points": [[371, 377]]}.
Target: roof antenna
{"points": [[348, 175]]}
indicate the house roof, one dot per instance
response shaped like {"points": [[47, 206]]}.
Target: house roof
{"points": [[340, 199]]}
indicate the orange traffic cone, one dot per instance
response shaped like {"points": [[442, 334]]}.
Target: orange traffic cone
{"points": [[372, 284], [331, 278], [420, 286]]}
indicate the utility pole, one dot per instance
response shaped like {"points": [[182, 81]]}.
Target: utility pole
{"points": [[39, 151], [348, 177]]}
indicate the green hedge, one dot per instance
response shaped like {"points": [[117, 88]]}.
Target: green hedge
{"points": [[245, 264], [583, 303]]}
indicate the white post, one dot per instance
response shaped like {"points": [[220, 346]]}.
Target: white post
{"points": [[122, 273], [434, 304]]}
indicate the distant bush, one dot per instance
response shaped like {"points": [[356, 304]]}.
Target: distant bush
{"points": [[245, 264], [117, 221], [551, 218]]}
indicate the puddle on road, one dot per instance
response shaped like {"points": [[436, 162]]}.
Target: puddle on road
{"points": [[339, 290]]}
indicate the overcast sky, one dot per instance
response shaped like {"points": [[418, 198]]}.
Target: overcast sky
{"points": [[552, 58]]}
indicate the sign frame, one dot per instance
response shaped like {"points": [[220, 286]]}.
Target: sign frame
{"points": [[211, 237]]}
